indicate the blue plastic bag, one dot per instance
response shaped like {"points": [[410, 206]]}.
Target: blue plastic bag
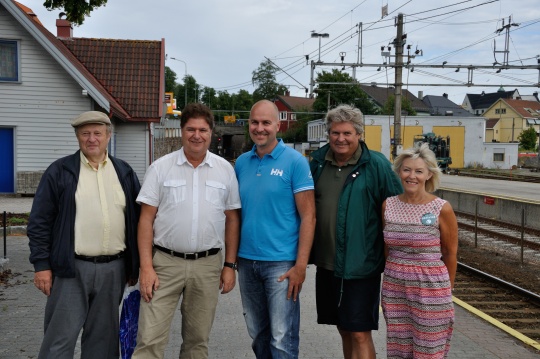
{"points": [[129, 319]]}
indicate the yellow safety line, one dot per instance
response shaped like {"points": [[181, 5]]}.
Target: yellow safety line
{"points": [[498, 324]]}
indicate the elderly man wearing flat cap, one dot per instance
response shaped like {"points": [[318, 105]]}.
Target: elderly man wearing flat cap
{"points": [[83, 243]]}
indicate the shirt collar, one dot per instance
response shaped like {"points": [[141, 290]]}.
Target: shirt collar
{"points": [[278, 150], [86, 162], [182, 159]]}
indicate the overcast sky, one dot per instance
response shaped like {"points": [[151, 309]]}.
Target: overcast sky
{"points": [[223, 42]]}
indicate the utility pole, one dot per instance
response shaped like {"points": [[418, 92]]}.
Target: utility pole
{"points": [[359, 53], [398, 44]]}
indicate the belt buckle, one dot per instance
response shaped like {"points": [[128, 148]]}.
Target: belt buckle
{"points": [[191, 255]]}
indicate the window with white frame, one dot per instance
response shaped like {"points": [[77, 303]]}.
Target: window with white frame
{"points": [[9, 61], [498, 155], [283, 116]]}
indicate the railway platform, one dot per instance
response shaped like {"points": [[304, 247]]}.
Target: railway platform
{"points": [[22, 308], [491, 187]]}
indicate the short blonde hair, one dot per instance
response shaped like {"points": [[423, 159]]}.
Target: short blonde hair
{"points": [[430, 160]]}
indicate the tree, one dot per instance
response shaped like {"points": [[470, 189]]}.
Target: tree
{"points": [[170, 79], [191, 88], [527, 139], [209, 96], [388, 108], [330, 96], [265, 80], [76, 10]]}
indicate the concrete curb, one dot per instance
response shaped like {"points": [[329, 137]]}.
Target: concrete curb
{"points": [[14, 230]]}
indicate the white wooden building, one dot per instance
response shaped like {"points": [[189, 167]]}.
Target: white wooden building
{"points": [[44, 85]]}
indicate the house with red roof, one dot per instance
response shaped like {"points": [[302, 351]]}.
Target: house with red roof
{"points": [[48, 79], [289, 107]]}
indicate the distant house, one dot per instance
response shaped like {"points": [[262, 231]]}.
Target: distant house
{"points": [[442, 106], [477, 104], [508, 118], [289, 107], [379, 96], [47, 80]]}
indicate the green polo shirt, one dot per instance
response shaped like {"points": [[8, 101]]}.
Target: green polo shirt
{"points": [[327, 192]]}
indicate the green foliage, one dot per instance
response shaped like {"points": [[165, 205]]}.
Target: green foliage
{"points": [[388, 108], [330, 96], [194, 91], [265, 80], [527, 139], [76, 10], [170, 79]]}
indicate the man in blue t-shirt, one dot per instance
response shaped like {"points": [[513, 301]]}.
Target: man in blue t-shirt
{"points": [[278, 222]]}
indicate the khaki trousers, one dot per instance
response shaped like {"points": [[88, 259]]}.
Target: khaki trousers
{"points": [[197, 282]]}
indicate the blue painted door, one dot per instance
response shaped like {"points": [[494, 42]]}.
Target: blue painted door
{"points": [[7, 159]]}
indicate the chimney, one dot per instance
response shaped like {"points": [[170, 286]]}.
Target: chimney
{"points": [[64, 30], [420, 95], [287, 93], [445, 95]]}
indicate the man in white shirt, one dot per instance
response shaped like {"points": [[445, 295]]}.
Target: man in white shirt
{"points": [[189, 212]]}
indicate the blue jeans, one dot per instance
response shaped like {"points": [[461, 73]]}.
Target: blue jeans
{"points": [[273, 322]]}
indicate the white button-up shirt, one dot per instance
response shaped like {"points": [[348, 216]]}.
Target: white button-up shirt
{"points": [[190, 201]]}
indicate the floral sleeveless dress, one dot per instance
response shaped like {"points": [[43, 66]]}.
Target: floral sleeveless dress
{"points": [[416, 293]]}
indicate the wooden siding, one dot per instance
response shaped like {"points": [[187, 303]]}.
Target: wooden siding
{"points": [[41, 106]]}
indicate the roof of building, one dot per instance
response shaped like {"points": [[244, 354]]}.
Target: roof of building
{"points": [[485, 100], [380, 95], [128, 69], [491, 122], [440, 105], [527, 109], [296, 103], [125, 72]]}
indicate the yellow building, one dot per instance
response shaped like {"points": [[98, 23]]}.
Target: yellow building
{"points": [[507, 118]]}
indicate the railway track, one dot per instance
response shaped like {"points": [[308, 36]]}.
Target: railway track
{"points": [[515, 307], [494, 229], [499, 175]]}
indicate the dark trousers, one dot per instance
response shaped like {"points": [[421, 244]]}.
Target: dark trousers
{"points": [[90, 302]]}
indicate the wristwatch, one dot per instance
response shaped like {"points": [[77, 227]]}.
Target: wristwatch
{"points": [[231, 265]]}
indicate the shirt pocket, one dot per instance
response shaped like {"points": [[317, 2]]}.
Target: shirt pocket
{"points": [[119, 196], [216, 193], [174, 191]]}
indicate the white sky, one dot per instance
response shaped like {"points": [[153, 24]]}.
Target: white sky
{"points": [[223, 42]]}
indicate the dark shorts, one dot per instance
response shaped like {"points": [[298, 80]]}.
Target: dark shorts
{"points": [[352, 305]]}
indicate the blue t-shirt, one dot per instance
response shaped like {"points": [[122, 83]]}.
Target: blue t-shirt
{"points": [[270, 220]]}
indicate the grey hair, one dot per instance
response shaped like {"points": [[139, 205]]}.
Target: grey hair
{"points": [[430, 160], [346, 113]]}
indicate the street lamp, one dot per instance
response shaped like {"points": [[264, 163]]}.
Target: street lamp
{"points": [[185, 76], [315, 34]]}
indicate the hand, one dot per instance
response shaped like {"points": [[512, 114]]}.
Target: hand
{"points": [[43, 281], [227, 280], [148, 283], [296, 277]]}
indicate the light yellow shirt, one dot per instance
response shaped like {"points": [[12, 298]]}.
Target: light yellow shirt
{"points": [[100, 203]]}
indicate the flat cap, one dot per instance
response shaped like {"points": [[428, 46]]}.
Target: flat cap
{"points": [[90, 117]]}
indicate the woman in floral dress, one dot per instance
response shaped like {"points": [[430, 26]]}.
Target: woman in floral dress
{"points": [[421, 241]]}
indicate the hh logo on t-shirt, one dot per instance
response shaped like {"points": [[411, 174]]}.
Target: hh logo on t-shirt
{"points": [[276, 172]]}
